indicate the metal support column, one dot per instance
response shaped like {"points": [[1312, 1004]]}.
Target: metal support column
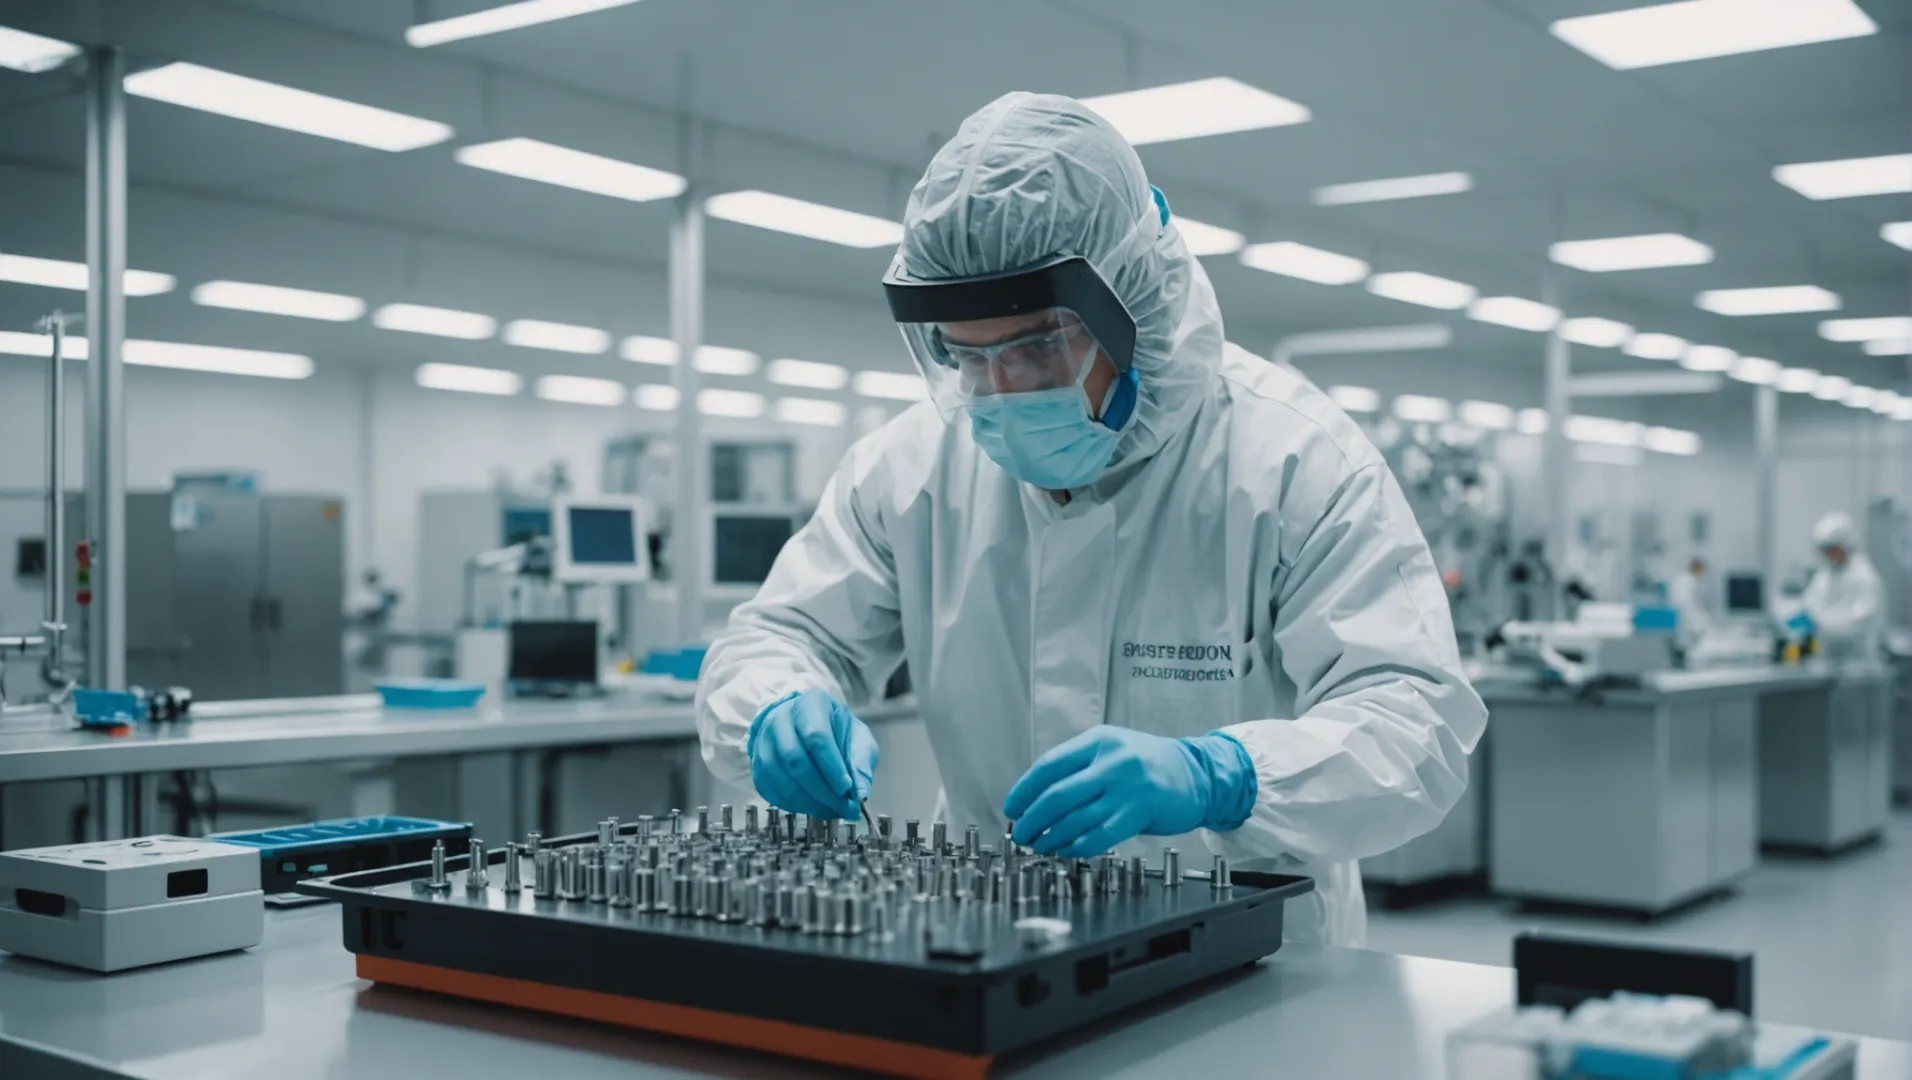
{"points": [[1556, 458], [54, 668], [693, 490], [1766, 488], [105, 391]]}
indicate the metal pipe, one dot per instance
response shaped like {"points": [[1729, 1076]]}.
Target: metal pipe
{"points": [[1766, 491], [105, 375], [687, 329], [53, 668], [1556, 457]]}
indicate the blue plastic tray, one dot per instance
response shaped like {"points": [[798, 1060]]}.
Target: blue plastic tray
{"points": [[336, 831], [429, 693]]}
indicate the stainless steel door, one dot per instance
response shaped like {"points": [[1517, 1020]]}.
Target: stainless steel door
{"points": [[220, 613], [304, 595], [155, 652]]}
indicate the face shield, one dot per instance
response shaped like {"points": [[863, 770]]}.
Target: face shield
{"points": [[1026, 331]]}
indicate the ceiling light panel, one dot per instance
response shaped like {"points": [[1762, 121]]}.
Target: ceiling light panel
{"points": [[1703, 29], [1848, 178], [557, 337], [1831, 387], [741, 404], [1414, 287], [1708, 358], [1891, 326], [722, 360], [1773, 300], [1887, 347], [1204, 239], [437, 321], [31, 53], [1655, 346], [530, 159], [1595, 332], [1663, 440], [811, 411], [1515, 312], [1886, 403], [1301, 261], [815, 221], [1531, 422], [468, 380], [808, 374], [1193, 109], [890, 385], [278, 300], [1423, 410], [63, 274], [1487, 414], [21, 343], [1754, 369], [278, 106], [1400, 187], [1858, 397], [1795, 380], [499, 19], [1600, 429], [216, 359], [1355, 399], [1645, 252], [658, 397], [643, 349], [1898, 233], [578, 390]]}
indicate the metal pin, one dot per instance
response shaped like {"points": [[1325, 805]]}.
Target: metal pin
{"points": [[939, 837], [514, 875], [476, 875], [544, 874], [703, 819], [773, 821], [677, 822], [1220, 878], [607, 832], [812, 909], [533, 841], [1171, 867], [972, 842], [750, 819], [643, 889], [853, 907], [571, 874], [618, 875], [683, 896], [1136, 877], [1027, 887], [883, 826], [721, 900], [594, 875], [723, 815], [998, 885], [645, 823], [912, 833], [880, 921], [438, 881], [787, 903]]}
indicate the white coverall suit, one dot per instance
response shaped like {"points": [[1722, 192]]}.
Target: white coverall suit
{"points": [[1245, 563]]}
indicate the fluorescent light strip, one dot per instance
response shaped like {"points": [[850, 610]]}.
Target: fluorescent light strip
{"points": [[1655, 346], [658, 397], [888, 384], [1773, 300], [741, 404], [1531, 422], [807, 374], [278, 106], [1754, 369], [1891, 326], [1191, 110], [578, 390], [1644, 252], [811, 411], [500, 19], [643, 349], [557, 337], [1422, 410], [216, 359], [278, 300], [1600, 429], [1595, 332], [1487, 414], [1369, 339], [1203, 239], [530, 159], [1794, 380], [723, 360], [1898, 233], [1400, 187], [437, 321], [1355, 399], [1703, 29], [1663, 440], [1888, 347], [468, 380], [815, 221], [21, 343], [1848, 178], [1515, 312], [1886, 403], [1708, 358], [1857, 397], [1414, 287], [1301, 261], [62, 274], [1831, 387], [31, 53]]}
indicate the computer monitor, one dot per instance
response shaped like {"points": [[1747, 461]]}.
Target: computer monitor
{"points": [[600, 539], [553, 653], [523, 524], [1745, 593], [744, 545]]}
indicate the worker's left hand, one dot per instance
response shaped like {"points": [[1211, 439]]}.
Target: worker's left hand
{"points": [[1109, 784]]}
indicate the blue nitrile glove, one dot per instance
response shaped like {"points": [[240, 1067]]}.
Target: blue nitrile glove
{"points": [[809, 755], [1801, 626], [1109, 784]]}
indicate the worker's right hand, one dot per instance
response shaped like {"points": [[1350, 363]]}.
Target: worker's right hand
{"points": [[810, 755]]}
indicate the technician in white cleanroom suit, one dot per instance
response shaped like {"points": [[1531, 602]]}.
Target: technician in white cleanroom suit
{"points": [[1152, 592], [1845, 598]]}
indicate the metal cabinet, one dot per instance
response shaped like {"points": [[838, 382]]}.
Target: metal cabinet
{"points": [[1825, 758]]}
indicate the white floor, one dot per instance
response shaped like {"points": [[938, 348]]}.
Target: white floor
{"points": [[1832, 939]]}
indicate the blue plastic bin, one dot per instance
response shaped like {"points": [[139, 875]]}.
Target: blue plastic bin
{"points": [[429, 693]]}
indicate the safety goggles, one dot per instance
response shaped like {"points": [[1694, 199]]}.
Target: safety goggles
{"points": [[1034, 329]]}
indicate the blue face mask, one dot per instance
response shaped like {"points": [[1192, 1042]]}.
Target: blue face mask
{"points": [[1047, 437]]}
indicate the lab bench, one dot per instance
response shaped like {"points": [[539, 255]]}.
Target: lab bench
{"points": [[1825, 760], [293, 1009]]}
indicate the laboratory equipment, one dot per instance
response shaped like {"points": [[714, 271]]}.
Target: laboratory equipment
{"points": [[600, 540], [1745, 594], [292, 853], [1607, 644], [124, 904], [1459, 497], [553, 657], [744, 544], [807, 939]]}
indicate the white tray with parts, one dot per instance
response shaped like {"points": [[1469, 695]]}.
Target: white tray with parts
{"points": [[128, 903]]}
